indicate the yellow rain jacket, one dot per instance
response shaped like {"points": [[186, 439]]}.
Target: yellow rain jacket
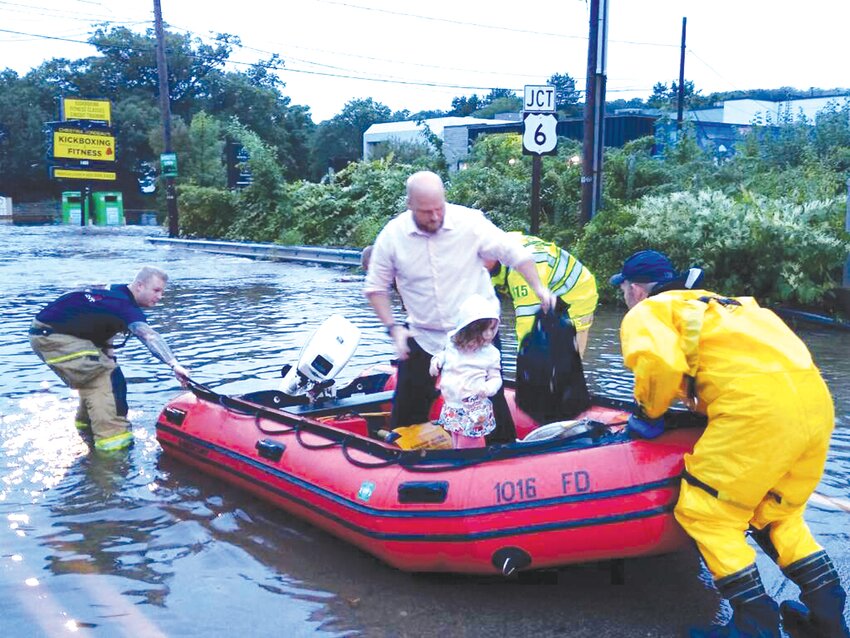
{"points": [[565, 276], [770, 418]]}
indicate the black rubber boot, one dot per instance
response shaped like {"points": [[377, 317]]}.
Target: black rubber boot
{"points": [[754, 613], [821, 614]]}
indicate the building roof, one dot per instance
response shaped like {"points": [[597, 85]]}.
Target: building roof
{"points": [[436, 124]]}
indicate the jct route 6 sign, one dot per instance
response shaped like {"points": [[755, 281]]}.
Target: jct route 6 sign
{"points": [[539, 136]]}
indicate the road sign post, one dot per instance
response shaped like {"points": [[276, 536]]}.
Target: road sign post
{"points": [[539, 137], [81, 146]]}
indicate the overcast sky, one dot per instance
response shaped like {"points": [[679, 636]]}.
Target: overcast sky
{"points": [[419, 55]]}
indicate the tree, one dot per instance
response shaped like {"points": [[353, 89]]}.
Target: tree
{"points": [[204, 163], [24, 108], [512, 104], [613, 106], [339, 140], [463, 106], [498, 94], [136, 116], [668, 98], [127, 63], [255, 98], [497, 101], [566, 96], [660, 97]]}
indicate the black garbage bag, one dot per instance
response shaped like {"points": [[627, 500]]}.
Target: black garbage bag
{"points": [[550, 383]]}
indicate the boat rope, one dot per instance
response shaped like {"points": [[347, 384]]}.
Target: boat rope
{"points": [[309, 446], [364, 464], [258, 422], [425, 461], [257, 414]]}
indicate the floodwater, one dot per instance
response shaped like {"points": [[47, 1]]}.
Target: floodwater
{"points": [[141, 546]]}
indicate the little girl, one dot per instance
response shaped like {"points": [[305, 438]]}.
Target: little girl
{"points": [[470, 373]]}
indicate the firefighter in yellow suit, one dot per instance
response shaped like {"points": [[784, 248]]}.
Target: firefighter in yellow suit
{"points": [[570, 281], [770, 417]]}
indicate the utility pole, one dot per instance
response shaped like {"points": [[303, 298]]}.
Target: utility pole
{"points": [[846, 278], [682, 77], [594, 111], [536, 169], [165, 109]]}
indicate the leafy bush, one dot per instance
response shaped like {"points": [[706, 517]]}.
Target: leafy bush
{"points": [[773, 249], [604, 245], [353, 206], [205, 211], [263, 206]]}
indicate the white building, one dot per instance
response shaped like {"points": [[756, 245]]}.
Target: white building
{"points": [[747, 111], [452, 130]]}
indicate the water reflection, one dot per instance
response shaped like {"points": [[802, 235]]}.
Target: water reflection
{"points": [[139, 545]]}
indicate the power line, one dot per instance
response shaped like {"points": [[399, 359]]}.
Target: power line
{"points": [[375, 59], [285, 69], [483, 26], [766, 104], [50, 12], [346, 73]]}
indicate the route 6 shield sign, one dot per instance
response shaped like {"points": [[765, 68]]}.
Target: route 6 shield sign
{"points": [[539, 135]]}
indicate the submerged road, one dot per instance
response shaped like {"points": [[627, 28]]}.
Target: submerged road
{"points": [[140, 546]]}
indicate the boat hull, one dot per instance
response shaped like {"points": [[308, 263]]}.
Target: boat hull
{"points": [[520, 506]]}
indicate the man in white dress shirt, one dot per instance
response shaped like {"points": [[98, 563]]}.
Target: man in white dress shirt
{"points": [[436, 252]]}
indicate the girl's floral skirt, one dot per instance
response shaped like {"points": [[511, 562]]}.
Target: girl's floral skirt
{"points": [[474, 417]]}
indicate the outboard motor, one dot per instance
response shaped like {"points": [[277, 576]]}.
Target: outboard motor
{"points": [[322, 357]]}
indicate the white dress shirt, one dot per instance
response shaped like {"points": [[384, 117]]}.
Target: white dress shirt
{"points": [[435, 273]]}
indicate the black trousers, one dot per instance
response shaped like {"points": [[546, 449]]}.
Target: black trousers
{"points": [[415, 392]]}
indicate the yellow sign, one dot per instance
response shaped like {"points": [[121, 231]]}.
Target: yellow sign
{"points": [[105, 176], [76, 109], [83, 145]]}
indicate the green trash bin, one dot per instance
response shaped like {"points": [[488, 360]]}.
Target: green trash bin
{"points": [[72, 207], [108, 208]]}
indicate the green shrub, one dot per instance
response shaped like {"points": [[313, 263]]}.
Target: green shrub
{"points": [[350, 208], [775, 250], [205, 211], [604, 245]]}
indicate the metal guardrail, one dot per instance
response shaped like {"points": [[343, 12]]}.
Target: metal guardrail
{"points": [[273, 252]]}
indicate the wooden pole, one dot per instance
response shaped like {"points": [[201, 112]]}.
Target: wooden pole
{"points": [[594, 111], [846, 281], [165, 110], [681, 97], [536, 164]]}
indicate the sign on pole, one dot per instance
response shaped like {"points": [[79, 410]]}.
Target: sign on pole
{"points": [[540, 123], [539, 98], [540, 134], [81, 144], [168, 164], [72, 173], [98, 110]]}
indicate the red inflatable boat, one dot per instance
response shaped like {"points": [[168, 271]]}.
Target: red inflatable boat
{"points": [[588, 493]]}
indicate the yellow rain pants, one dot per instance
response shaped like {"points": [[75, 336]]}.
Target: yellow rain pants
{"points": [[98, 379], [770, 418]]}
